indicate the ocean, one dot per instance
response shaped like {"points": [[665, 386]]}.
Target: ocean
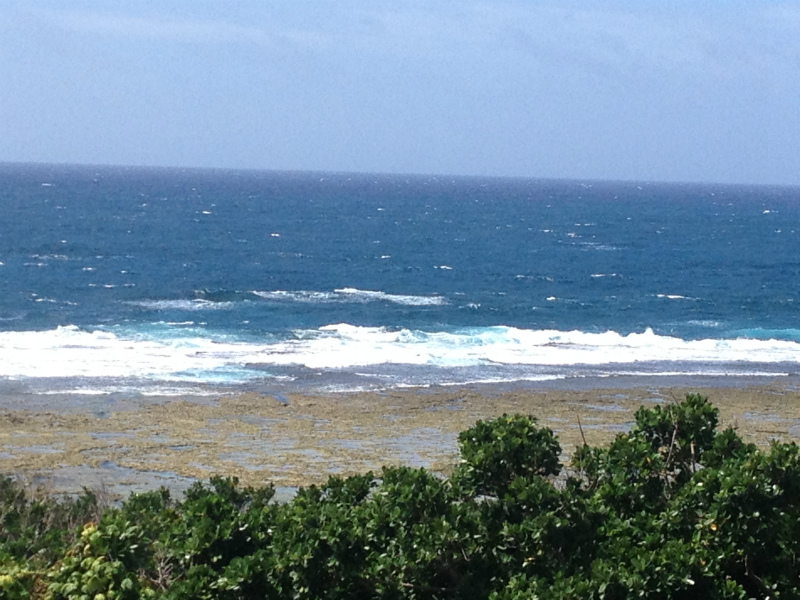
{"points": [[130, 282]]}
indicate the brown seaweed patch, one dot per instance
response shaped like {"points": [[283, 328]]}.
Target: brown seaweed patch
{"points": [[309, 437]]}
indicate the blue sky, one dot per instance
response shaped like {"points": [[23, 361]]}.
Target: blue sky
{"points": [[670, 91]]}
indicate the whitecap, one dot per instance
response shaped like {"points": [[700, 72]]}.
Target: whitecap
{"points": [[189, 305], [405, 299], [50, 256], [349, 295], [598, 246], [297, 296], [705, 323]]}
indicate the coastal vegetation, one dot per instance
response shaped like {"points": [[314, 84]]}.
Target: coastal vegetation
{"points": [[672, 509]]}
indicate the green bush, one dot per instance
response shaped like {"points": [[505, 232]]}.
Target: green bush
{"points": [[37, 528], [672, 509], [494, 453]]}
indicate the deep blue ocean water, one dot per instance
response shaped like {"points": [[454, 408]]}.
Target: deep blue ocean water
{"points": [[117, 280]]}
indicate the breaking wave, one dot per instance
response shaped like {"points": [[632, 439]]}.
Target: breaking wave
{"points": [[196, 355]]}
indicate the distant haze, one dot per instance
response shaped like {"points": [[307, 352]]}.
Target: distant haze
{"points": [[671, 91]]}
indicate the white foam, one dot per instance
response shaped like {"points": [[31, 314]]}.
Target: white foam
{"points": [[495, 380], [697, 373], [189, 305], [395, 298], [68, 352], [342, 346], [298, 296], [705, 323], [192, 355], [350, 295]]}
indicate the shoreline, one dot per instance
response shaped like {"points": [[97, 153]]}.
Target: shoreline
{"points": [[300, 438]]}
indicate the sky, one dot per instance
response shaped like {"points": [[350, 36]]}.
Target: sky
{"points": [[620, 90]]}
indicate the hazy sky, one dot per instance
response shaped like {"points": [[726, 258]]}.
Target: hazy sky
{"points": [[677, 90]]}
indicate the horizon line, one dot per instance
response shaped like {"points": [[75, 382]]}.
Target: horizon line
{"points": [[5, 163]]}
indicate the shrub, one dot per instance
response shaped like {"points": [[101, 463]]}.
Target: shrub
{"points": [[494, 453], [671, 510]]}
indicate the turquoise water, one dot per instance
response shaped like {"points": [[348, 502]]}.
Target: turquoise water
{"points": [[119, 279]]}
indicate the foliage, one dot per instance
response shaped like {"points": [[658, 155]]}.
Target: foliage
{"points": [[494, 453], [39, 527], [671, 509]]}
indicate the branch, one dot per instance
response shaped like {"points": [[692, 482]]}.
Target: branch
{"points": [[669, 454], [753, 577], [580, 428]]}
